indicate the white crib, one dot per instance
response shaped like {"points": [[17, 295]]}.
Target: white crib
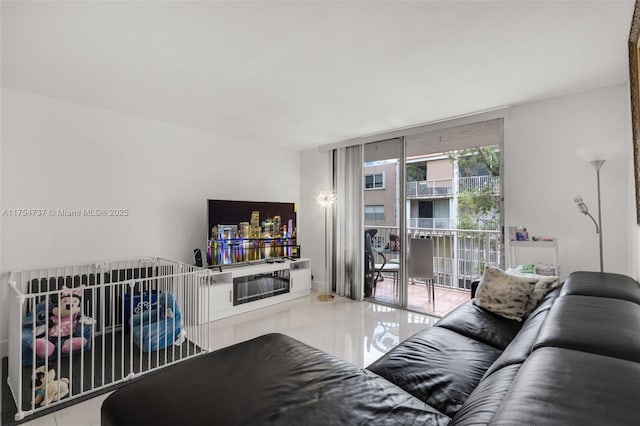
{"points": [[135, 317]]}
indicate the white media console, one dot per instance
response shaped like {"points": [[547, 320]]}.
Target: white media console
{"points": [[238, 289]]}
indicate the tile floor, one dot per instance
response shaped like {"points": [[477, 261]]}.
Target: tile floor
{"points": [[359, 332]]}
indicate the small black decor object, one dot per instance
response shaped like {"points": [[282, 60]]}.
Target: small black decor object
{"points": [[198, 257]]}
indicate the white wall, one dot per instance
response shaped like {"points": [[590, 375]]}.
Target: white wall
{"points": [[315, 176], [543, 173], [58, 154]]}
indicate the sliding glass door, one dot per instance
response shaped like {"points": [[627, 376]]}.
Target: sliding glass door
{"points": [[383, 211], [433, 211]]}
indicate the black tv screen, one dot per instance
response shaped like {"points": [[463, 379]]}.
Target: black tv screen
{"points": [[245, 231]]}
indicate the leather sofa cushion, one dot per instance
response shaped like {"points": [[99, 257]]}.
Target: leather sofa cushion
{"points": [[520, 348], [272, 379], [479, 324], [483, 402], [593, 324], [522, 345], [565, 387], [614, 286], [438, 366]]}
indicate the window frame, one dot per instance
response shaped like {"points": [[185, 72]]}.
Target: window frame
{"points": [[375, 188], [375, 213]]}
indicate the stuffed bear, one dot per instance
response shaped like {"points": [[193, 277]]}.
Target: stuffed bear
{"points": [[66, 325]]}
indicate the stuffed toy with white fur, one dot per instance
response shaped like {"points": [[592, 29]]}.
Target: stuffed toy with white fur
{"points": [[47, 388]]}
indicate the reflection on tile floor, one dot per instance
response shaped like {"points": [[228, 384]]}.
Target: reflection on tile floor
{"points": [[86, 413], [446, 299], [358, 332]]}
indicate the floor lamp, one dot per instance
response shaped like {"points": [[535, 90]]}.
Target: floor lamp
{"points": [[326, 199], [597, 159]]}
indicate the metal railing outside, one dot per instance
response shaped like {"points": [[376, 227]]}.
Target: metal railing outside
{"points": [[445, 187], [460, 255], [430, 188], [430, 223], [477, 182]]}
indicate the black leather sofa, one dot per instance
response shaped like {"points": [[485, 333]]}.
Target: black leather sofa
{"points": [[575, 360]]}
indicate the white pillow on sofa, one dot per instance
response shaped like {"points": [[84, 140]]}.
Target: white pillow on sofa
{"points": [[544, 284], [504, 294]]}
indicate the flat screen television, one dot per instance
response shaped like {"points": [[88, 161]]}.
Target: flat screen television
{"points": [[246, 231]]}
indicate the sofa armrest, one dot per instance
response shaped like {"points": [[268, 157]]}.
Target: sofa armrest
{"points": [[474, 288]]}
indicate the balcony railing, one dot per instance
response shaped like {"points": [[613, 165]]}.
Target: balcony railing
{"points": [[444, 187], [459, 255], [429, 223], [430, 188], [478, 182], [487, 224]]}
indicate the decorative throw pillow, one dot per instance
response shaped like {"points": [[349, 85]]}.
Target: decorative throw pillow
{"points": [[542, 287], [503, 294]]}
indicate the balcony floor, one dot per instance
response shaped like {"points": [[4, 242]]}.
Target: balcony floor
{"points": [[446, 299]]}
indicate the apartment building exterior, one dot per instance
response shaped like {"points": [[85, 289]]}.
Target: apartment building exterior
{"points": [[434, 184], [430, 190]]}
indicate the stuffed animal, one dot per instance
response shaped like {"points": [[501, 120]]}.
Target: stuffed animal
{"points": [[48, 389], [34, 325], [66, 325], [159, 327], [39, 317]]}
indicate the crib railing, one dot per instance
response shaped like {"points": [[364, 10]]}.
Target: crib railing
{"points": [[16, 303], [134, 317]]}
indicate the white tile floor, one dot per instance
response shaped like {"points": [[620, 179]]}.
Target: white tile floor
{"points": [[359, 332]]}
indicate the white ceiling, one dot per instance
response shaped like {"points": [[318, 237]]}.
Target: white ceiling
{"points": [[302, 74]]}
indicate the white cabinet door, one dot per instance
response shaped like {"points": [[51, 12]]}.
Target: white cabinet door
{"points": [[300, 280], [221, 297]]}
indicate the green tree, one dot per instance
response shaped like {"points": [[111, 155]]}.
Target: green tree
{"points": [[478, 206], [471, 160], [416, 173]]}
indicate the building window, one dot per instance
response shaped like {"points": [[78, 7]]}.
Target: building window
{"points": [[374, 181], [416, 172], [373, 213]]}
